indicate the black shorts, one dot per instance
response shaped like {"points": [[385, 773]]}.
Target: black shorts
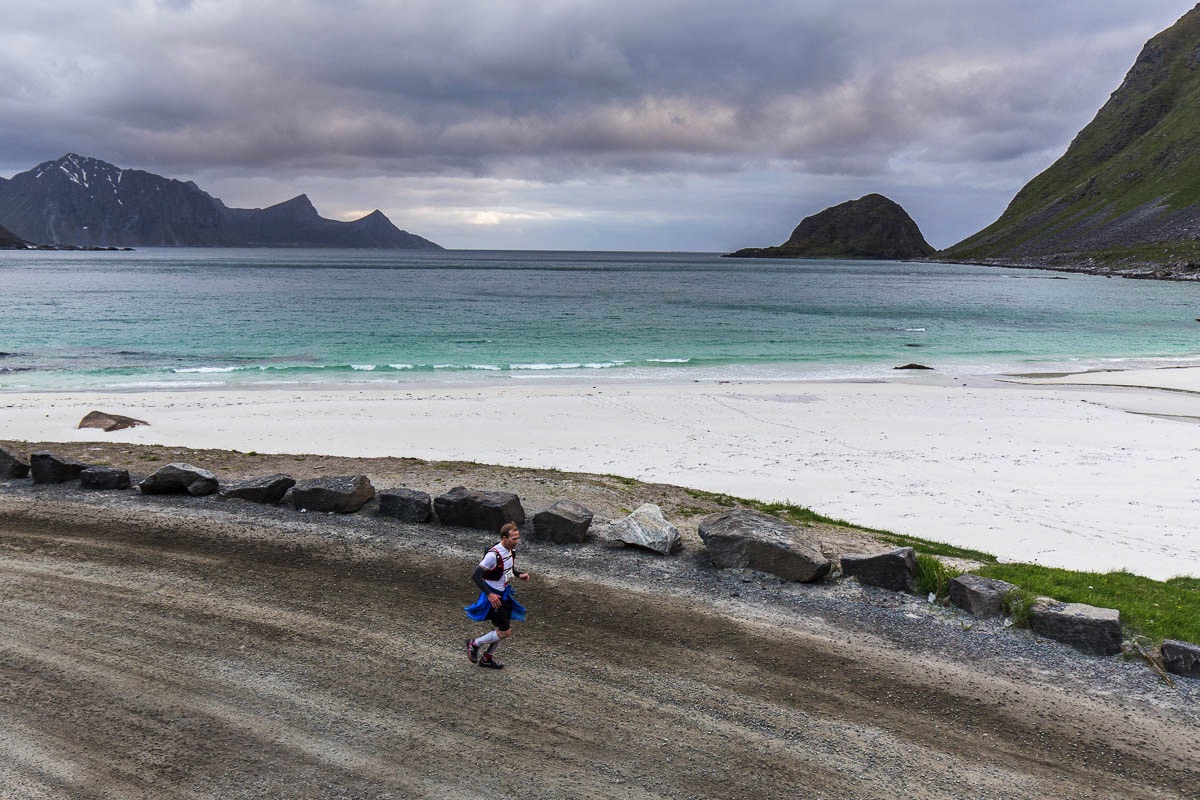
{"points": [[501, 617]]}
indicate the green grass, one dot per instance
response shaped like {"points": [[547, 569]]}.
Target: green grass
{"points": [[933, 575], [1154, 609]]}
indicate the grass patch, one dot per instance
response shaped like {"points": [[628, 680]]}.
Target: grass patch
{"points": [[623, 480], [1017, 605], [1154, 609], [933, 575]]}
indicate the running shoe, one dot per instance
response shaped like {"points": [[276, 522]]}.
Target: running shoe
{"points": [[472, 651], [490, 663]]}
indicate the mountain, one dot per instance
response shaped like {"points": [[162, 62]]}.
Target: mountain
{"points": [[87, 202], [870, 227], [1125, 197], [10, 241]]}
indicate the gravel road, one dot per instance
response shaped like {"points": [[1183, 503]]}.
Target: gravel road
{"points": [[183, 648]]}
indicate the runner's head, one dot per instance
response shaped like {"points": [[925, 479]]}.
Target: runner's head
{"points": [[510, 535]]}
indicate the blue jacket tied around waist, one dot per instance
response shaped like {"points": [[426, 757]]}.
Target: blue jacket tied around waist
{"points": [[478, 610]]}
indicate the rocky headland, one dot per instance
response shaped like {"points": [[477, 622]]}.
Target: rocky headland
{"points": [[872, 227], [1123, 199]]}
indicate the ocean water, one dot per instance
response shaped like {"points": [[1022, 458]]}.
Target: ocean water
{"points": [[211, 317]]}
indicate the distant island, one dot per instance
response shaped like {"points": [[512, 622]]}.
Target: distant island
{"points": [[1125, 197], [870, 227], [78, 201]]}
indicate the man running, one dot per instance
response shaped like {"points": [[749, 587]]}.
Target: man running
{"points": [[496, 602]]}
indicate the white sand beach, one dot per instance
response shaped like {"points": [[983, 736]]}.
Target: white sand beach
{"points": [[1094, 471]]}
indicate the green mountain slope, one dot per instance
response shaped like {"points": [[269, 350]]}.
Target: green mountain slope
{"points": [[1126, 194]]}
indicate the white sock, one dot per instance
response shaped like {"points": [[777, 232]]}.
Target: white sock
{"points": [[487, 638]]}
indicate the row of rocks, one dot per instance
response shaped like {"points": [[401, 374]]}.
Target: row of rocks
{"points": [[738, 539]]}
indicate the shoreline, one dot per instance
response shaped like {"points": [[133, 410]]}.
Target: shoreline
{"points": [[1086, 471]]}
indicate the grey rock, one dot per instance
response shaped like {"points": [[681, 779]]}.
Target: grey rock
{"points": [[895, 570], [406, 505], [269, 490], [179, 478], [104, 478], [742, 538], [1181, 658], [45, 467], [648, 529], [343, 494], [12, 465], [565, 521], [1091, 630], [983, 597], [469, 508]]}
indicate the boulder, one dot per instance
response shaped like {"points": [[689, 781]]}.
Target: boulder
{"points": [[406, 505], [1091, 630], [45, 467], [269, 490], [565, 521], [11, 465], [1182, 658], [109, 422], [648, 529], [895, 570], [179, 478], [488, 511], [753, 540], [104, 478], [983, 597], [343, 494]]}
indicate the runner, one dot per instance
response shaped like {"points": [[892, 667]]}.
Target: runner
{"points": [[496, 602]]}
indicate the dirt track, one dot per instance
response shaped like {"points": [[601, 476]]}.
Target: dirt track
{"points": [[148, 653]]}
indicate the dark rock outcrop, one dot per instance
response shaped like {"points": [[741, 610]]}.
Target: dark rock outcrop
{"points": [[45, 467], [753, 540], [895, 570], [104, 478], [1091, 630], [179, 478], [84, 202], [343, 494], [869, 227], [486, 511], [406, 505], [982, 597], [563, 522], [109, 422], [12, 465], [269, 490], [648, 529], [1181, 658]]}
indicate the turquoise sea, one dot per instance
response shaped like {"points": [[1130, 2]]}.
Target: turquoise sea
{"points": [[210, 317]]}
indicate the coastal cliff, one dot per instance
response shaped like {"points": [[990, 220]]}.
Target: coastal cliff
{"points": [[1125, 197], [871, 227]]}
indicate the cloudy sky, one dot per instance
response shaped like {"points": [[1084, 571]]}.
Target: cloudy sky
{"points": [[560, 124]]}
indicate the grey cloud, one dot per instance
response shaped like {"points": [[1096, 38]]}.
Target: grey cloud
{"points": [[930, 91]]}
